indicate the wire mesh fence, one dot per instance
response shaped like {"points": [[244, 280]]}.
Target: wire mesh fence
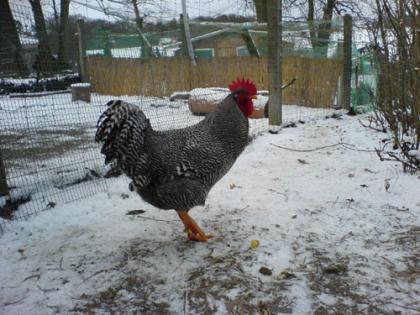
{"points": [[48, 119], [223, 51]]}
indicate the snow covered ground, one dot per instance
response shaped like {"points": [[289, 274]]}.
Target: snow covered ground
{"points": [[337, 229]]}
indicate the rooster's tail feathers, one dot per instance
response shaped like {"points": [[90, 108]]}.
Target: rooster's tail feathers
{"points": [[122, 130]]}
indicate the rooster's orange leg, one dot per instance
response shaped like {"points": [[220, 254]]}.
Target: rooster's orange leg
{"points": [[194, 232]]}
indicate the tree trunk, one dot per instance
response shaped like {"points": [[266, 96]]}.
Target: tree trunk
{"points": [[146, 47], [56, 17], [320, 36], [44, 62], [64, 19], [312, 33], [11, 51], [324, 31]]}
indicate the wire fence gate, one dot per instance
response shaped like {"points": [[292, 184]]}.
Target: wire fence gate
{"points": [[49, 104]]}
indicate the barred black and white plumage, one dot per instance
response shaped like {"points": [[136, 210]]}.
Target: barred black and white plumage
{"points": [[173, 169]]}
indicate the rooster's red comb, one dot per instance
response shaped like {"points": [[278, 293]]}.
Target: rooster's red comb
{"points": [[242, 84]]}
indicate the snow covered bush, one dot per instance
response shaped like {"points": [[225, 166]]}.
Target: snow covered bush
{"points": [[396, 38]]}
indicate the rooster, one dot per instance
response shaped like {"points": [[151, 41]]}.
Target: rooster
{"points": [[176, 169]]}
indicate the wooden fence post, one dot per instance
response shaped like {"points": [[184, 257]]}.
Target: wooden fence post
{"points": [[274, 61], [82, 51], [4, 189], [347, 63]]}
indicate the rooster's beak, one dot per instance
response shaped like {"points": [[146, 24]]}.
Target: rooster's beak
{"points": [[254, 97]]}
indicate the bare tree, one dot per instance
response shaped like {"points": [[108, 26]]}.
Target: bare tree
{"points": [[147, 47], [319, 14], [142, 9], [45, 61], [11, 48], [56, 14], [320, 34], [64, 20]]}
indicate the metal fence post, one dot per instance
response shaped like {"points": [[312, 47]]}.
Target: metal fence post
{"points": [[184, 48], [4, 189], [186, 22], [274, 63], [347, 63], [81, 42]]}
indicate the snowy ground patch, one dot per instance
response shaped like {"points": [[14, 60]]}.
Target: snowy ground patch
{"points": [[336, 238]]}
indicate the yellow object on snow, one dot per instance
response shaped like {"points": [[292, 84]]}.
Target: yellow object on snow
{"points": [[254, 243]]}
